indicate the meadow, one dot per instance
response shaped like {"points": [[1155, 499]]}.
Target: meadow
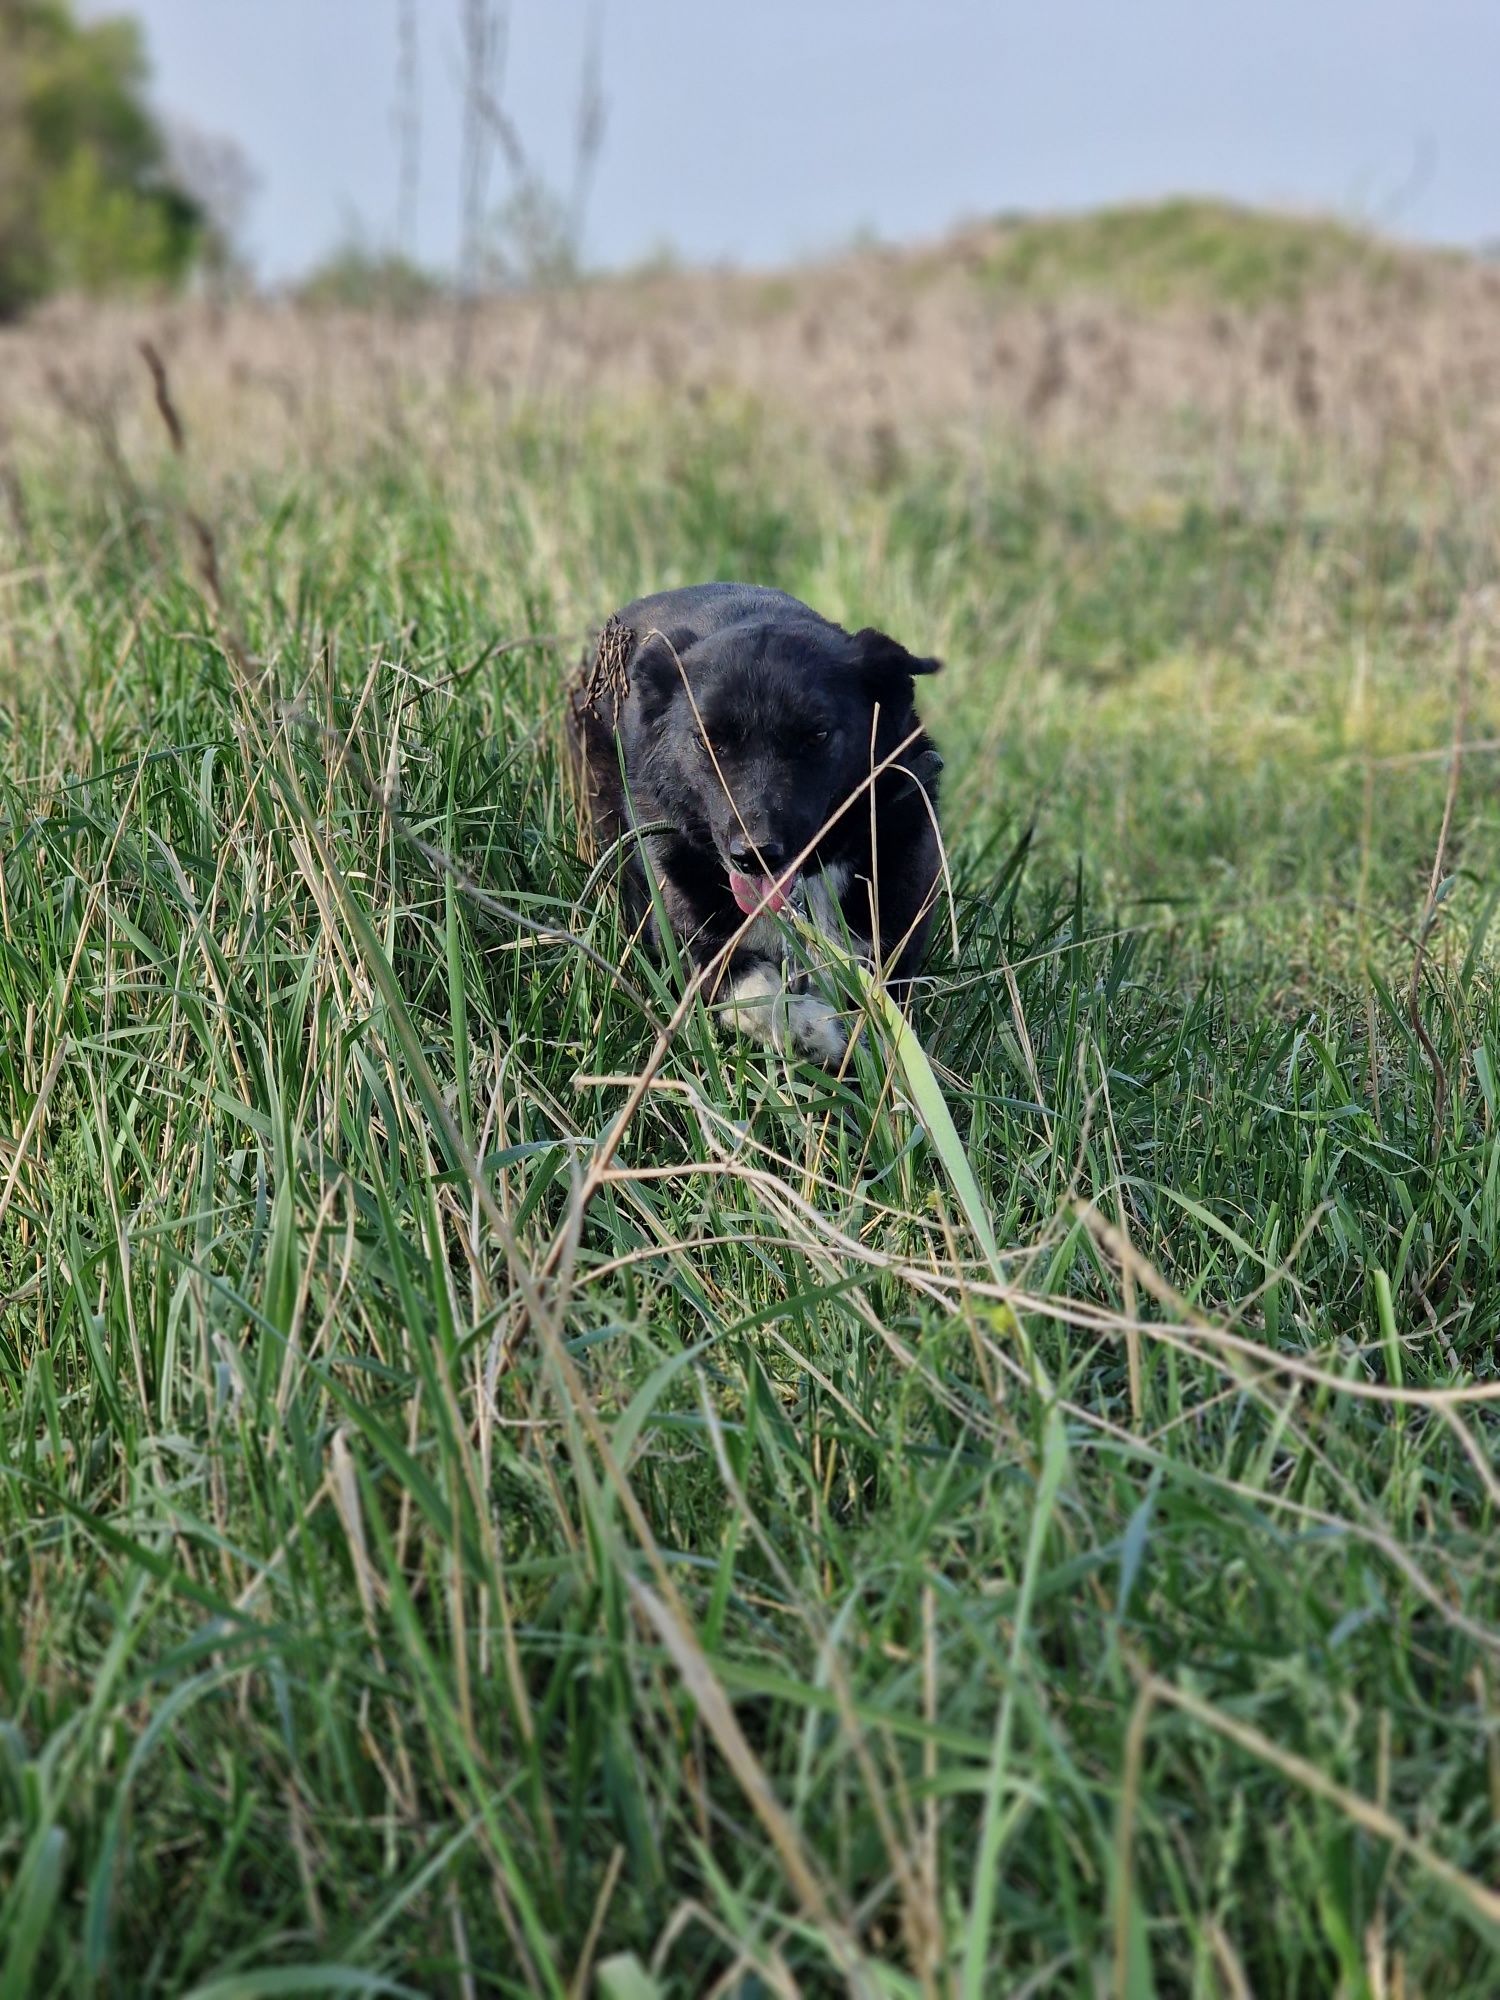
{"points": [[504, 1491]]}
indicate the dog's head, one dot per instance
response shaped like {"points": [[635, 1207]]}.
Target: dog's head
{"points": [[757, 737]]}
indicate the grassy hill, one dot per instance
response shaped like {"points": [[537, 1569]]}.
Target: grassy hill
{"points": [[496, 1497], [1196, 252]]}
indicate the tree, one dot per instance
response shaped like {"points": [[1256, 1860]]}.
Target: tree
{"points": [[87, 199], [214, 173]]}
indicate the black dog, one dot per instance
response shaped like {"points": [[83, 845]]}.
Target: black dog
{"points": [[751, 726]]}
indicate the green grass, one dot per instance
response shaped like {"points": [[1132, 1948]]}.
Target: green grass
{"points": [[1184, 250], [457, 1541]]}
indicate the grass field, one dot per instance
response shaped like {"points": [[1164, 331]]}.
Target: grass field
{"points": [[497, 1497]]}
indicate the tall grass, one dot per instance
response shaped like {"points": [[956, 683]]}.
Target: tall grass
{"points": [[1017, 1518]]}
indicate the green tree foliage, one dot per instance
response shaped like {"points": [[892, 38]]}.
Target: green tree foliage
{"points": [[86, 198]]}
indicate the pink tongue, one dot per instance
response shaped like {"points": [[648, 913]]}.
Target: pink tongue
{"points": [[751, 891]]}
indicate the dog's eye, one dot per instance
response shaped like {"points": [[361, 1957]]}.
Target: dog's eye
{"points": [[818, 737]]}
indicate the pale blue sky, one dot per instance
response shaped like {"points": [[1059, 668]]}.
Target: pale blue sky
{"points": [[765, 131]]}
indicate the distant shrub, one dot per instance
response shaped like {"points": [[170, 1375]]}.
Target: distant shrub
{"points": [[87, 200], [531, 241], [355, 278]]}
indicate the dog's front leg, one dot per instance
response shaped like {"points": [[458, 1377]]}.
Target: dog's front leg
{"points": [[760, 1003]]}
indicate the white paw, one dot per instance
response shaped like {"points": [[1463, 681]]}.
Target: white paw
{"points": [[753, 1000], [815, 1030], [760, 1005]]}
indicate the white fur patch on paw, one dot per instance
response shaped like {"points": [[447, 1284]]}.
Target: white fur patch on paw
{"points": [[815, 1030], [753, 1000], [760, 1005]]}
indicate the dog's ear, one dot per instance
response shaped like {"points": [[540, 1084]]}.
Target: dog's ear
{"points": [[919, 771], [886, 659], [654, 672]]}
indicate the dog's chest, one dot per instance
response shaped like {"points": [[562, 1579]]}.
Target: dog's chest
{"points": [[822, 896], [825, 893]]}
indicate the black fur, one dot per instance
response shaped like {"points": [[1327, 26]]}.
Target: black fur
{"points": [[796, 711]]}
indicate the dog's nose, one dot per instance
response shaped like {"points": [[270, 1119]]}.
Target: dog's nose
{"points": [[751, 858]]}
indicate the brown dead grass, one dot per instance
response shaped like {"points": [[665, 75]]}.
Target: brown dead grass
{"points": [[876, 354]]}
